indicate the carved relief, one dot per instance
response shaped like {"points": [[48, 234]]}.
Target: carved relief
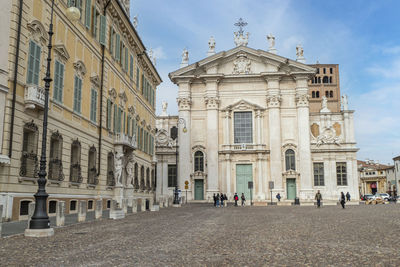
{"points": [[302, 100], [273, 101], [315, 129], [113, 93], [80, 68], [184, 103], [95, 80], [211, 102], [61, 52], [123, 98], [131, 110], [241, 65], [328, 136], [38, 32]]}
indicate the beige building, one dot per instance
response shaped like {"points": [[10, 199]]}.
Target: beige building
{"points": [[101, 105], [373, 177]]}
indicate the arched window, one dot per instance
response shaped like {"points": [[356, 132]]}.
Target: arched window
{"points": [[324, 70], [55, 162], [29, 158], [290, 160], [110, 169], [327, 93], [319, 79], [136, 177], [325, 79], [330, 79], [75, 168], [317, 94], [148, 186], [313, 94], [330, 93], [198, 161], [142, 185], [92, 171]]}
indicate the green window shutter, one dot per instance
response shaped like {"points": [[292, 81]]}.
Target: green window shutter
{"points": [[124, 122], [115, 119], [117, 47], [111, 41], [137, 78], [37, 65], [103, 23], [76, 94], [142, 82], [126, 59], [131, 68], [134, 127], [88, 9], [69, 3], [95, 15], [80, 95], [108, 114], [93, 106], [31, 61], [128, 126], [56, 77], [61, 83]]}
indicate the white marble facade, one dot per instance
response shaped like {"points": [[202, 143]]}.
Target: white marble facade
{"points": [[274, 90]]}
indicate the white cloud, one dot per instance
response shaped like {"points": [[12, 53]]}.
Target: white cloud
{"points": [[391, 70], [159, 53]]}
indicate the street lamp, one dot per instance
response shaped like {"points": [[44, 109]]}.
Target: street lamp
{"points": [[40, 219], [174, 136]]}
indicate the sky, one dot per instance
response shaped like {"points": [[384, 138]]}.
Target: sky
{"points": [[362, 36]]}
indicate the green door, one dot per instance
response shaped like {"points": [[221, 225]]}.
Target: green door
{"points": [[198, 190], [244, 174], [291, 188]]}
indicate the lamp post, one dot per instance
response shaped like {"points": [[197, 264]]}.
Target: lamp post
{"points": [[174, 136], [39, 224]]}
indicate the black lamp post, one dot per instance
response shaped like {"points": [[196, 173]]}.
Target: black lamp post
{"points": [[40, 219], [174, 136]]}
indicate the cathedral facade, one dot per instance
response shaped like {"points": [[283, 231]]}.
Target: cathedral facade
{"points": [[250, 128]]}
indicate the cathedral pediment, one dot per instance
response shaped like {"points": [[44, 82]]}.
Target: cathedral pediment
{"points": [[242, 105], [242, 61]]}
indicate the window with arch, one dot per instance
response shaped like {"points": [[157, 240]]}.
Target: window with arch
{"points": [[136, 177], [317, 94], [75, 169], [290, 160], [92, 171], [55, 162], [29, 157], [198, 161], [330, 79], [148, 185], [142, 185], [313, 94], [325, 79], [110, 169], [331, 94], [327, 94], [319, 79]]}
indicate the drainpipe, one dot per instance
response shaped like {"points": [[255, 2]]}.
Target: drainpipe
{"points": [[15, 79], [101, 95]]}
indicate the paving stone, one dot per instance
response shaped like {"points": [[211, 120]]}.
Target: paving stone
{"points": [[201, 235]]}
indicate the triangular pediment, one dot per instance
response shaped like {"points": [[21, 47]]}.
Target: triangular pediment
{"points": [[61, 51], [242, 61], [242, 105]]}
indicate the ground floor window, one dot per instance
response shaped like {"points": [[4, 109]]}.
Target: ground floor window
{"points": [[52, 206], [172, 177], [24, 207], [72, 205], [90, 204], [319, 174], [341, 173]]}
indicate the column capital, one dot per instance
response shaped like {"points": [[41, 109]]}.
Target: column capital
{"points": [[211, 102], [227, 114], [184, 103], [228, 157], [259, 113], [302, 100], [274, 101]]}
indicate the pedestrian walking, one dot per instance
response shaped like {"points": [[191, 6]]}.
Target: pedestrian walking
{"points": [[318, 197], [217, 200], [236, 198], [348, 196], [278, 196], [243, 199], [226, 200], [342, 199], [222, 200]]}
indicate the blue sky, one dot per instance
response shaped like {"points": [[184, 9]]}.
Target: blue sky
{"points": [[362, 36]]}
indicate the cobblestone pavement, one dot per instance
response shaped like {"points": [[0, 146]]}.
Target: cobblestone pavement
{"points": [[201, 235]]}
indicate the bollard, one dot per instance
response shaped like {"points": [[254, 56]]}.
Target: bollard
{"points": [[31, 210], [82, 211], [60, 213], [99, 209]]}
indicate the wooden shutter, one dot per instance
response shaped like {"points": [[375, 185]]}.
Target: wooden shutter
{"points": [[88, 9], [128, 126], [103, 23], [117, 48], [56, 78], [111, 41], [137, 78], [80, 94], [108, 114], [131, 68], [76, 94], [124, 128], [115, 118]]}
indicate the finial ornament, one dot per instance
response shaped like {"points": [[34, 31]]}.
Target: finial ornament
{"points": [[211, 46], [300, 54], [345, 102], [324, 105], [185, 58], [135, 22], [152, 56], [164, 108], [240, 39], [271, 40]]}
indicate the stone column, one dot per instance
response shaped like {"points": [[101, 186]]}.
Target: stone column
{"points": [[227, 128], [304, 147], [212, 145], [260, 178], [275, 142], [82, 210], [228, 175], [259, 115], [99, 209], [60, 213]]}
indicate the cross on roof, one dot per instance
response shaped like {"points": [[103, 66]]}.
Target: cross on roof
{"points": [[241, 23]]}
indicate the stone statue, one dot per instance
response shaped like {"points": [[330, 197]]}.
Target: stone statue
{"points": [[118, 168], [345, 102], [240, 39], [324, 107], [164, 108], [271, 40], [299, 51], [129, 170], [135, 22], [185, 58], [211, 46]]}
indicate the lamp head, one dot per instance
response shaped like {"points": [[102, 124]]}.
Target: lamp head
{"points": [[184, 130], [73, 14]]}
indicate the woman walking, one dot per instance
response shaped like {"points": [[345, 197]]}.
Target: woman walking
{"points": [[342, 199], [243, 199]]}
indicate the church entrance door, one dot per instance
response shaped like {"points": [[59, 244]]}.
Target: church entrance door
{"points": [[198, 189], [291, 188], [244, 174]]}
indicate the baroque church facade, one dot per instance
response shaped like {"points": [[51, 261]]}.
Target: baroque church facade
{"points": [[248, 119]]}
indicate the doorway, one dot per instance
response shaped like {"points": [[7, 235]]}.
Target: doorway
{"points": [[198, 189], [291, 188], [244, 175]]}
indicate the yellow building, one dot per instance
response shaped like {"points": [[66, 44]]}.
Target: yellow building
{"points": [[101, 106]]}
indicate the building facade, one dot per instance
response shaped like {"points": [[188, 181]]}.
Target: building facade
{"points": [[101, 123], [373, 177], [249, 119]]}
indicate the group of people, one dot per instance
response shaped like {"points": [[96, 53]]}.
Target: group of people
{"points": [[221, 199], [342, 198]]}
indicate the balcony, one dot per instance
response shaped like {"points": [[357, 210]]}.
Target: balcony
{"points": [[244, 148], [122, 139], [34, 97]]}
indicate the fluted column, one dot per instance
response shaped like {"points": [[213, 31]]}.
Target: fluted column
{"points": [[227, 127], [275, 142], [261, 180], [228, 175], [304, 148]]}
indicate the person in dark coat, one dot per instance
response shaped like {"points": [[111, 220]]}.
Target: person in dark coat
{"points": [[215, 200], [278, 196], [236, 198], [318, 197], [348, 196], [243, 199], [342, 199], [226, 200], [222, 200]]}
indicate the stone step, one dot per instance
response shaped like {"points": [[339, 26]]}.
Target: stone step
{"points": [[117, 214]]}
